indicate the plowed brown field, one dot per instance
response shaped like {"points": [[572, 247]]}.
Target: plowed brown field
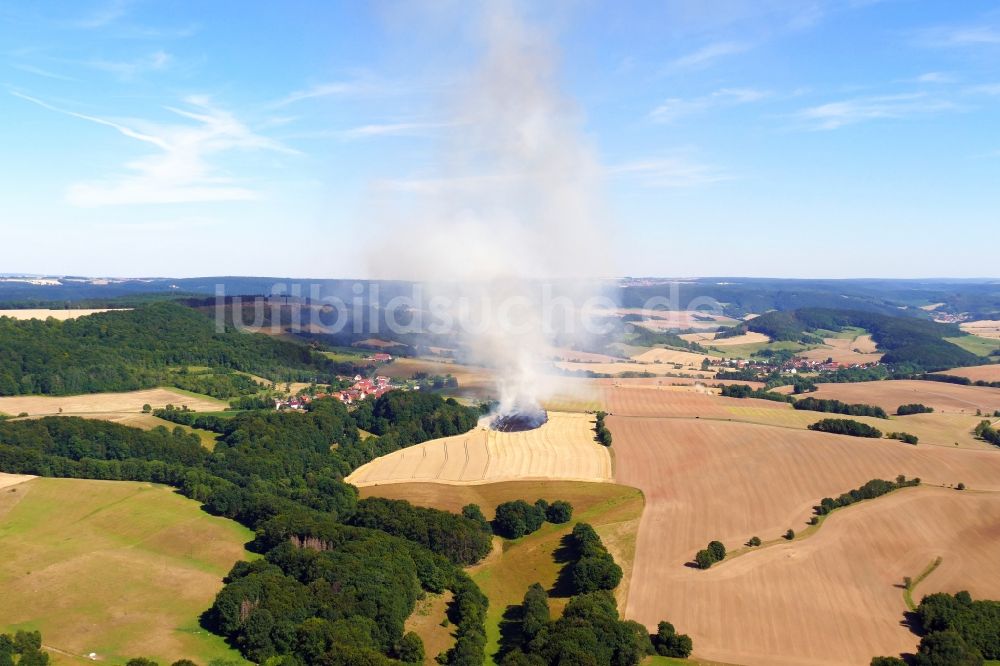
{"points": [[827, 599], [891, 394]]}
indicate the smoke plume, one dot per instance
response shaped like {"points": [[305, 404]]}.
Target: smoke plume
{"points": [[510, 215]]}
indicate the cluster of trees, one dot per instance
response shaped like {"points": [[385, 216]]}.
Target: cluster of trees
{"points": [[517, 518], [956, 379], [913, 408], [338, 577], [593, 567], [590, 630], [23, 648], [714, 552], [460, 539], [987, 432], [601, 430], [216, 382], [745, 391], [846, 427], [870, 490], [136, 349], [903, 437], [837, 407], [414, 416], [960, 632], [977, 622], [191, 418]]}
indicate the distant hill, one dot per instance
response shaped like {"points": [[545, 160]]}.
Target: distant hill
{"points": [[905, 340]]}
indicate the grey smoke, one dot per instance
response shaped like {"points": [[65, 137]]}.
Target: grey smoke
{"points": [[514, 202]]}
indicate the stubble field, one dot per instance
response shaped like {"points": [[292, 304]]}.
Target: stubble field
{"points": [[92, 404], [564, 448]]}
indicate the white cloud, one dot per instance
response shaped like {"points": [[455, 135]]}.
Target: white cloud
{"points": [[129, 69], [347, 88], [935, 77], [181, 172], [670, 172], [706, 54], [985, 89], [961, 36], [861, 109], [391, 129], [106, 14], [675, 107]]}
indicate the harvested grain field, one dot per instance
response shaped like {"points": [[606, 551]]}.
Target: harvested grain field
{"points": [[7, 480], [890, 394], [984, 328], [61, 315], [712, 339], [847, 351], [661, 369], [104, 403], [706, 480], [977, 373], [675, 356], [564, 354], [564, 448], [115, 568]]}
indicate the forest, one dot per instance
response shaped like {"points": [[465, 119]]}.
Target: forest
{"points": [[338, 577], [141, 348]]}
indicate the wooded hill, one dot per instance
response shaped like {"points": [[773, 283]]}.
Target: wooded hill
{"points": [[906, 341], [134, 349]]}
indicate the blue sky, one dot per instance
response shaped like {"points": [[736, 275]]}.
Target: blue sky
{"points": [[804, 139]]}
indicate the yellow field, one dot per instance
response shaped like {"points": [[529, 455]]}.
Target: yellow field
{"points": [[61, 315], [106, 403], [710, 339], [984, 373], [860, 350], [984, 328], [563, 448], [116, 568], [663, 368], [658, 355]]}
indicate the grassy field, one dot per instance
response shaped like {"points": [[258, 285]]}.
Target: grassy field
{"points": [[505, 575], [976, 344], [119, 569]]}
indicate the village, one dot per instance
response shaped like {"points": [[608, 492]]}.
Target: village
{"points": [[362, 388]]}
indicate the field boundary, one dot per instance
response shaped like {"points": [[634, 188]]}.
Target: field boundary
{"points": [[908, 589]]}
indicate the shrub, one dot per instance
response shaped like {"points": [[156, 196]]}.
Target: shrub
{"points": [[717, 550], [754, 541], [790, 534], [904, 437], [913, 408], [668, 643], [517, 518], [704, 559], [559, 512]]}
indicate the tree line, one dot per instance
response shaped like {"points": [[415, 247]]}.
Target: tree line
{"points": [[601, 431], [846, 427], [838, 407], [870, 490]]}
